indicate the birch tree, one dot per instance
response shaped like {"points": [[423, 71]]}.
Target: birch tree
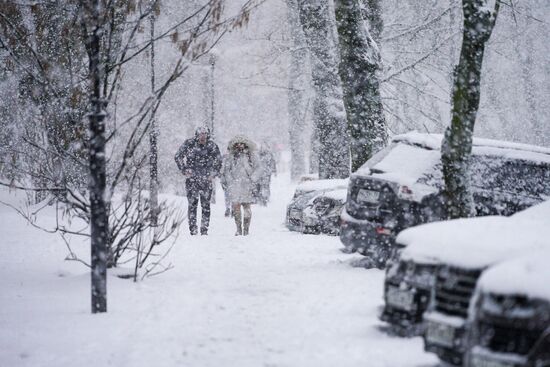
{"points": [[92, 61], [359, 65], [479, 21]]}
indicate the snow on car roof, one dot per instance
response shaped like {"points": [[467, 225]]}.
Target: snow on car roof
{"points": [[414, 155], [475, 242], [405, 164], [315, 185], [429, 242], [527, 276], [433, 141]]}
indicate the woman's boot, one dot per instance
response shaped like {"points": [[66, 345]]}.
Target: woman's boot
{"points": [[238, 220], [246, 226], [247, 218]]}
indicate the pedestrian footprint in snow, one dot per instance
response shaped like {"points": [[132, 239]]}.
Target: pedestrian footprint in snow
{"points": [[241, 172], [199, 159]]}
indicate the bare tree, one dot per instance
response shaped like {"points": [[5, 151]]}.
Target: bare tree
{"points": [[479, 21], [107, 41], [99, 220], [154, 131]]}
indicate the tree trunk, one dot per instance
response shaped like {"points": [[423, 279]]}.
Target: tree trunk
{"points": [[328, 110], [524, 50], [297, 106], [456, 148], [99, 205], [372, 12], [153, 136], [359, 64]]}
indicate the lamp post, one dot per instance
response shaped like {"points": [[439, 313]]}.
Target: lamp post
{"points": [[212, 61]]}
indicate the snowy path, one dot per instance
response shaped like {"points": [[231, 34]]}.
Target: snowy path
{"points": [[274, 298]]}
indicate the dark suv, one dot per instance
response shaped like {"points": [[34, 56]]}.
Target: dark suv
{"points": [[461, 263], [411, 277], [401, 186], [510, 320]]}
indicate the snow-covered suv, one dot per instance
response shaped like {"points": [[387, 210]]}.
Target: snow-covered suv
{"points": [[401, 186], [410, 278], [461, 263], [510, 318]]}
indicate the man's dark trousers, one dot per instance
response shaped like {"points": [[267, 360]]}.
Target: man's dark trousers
{"points": [[198, 188]]}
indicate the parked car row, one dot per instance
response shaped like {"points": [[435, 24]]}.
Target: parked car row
{"points": [[477, 289], [402, 186]]}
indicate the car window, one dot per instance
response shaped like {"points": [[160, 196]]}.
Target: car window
{"points": [[511, 176], [379, 156]]}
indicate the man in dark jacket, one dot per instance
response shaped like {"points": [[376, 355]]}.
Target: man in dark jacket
{"points": [[199, 160]]}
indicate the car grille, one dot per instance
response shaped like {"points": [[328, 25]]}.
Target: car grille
{"points": [[454, 288], [507, 339]]}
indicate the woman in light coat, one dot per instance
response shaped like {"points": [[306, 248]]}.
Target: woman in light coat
{"points": [[241, 172]]}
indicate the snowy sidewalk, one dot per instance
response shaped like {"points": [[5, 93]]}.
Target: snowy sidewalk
{"points": [[274, 298]]}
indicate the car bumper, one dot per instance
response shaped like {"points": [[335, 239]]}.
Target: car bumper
{"points": [[445, 336], [404, 308], [363, 235], [482, 357], [328, 225]]}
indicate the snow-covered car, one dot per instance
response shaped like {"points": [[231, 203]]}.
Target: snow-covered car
{"points": [[323, 213], [510, 318], [460, 265], [303, 197], [410, 279], [402, 186]]}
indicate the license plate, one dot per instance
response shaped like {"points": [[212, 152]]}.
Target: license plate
{"points": [[398, 298], [440, 334], [484, 361], [367, 196]]}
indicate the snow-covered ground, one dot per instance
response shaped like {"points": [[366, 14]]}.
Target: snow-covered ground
{"points": [[274, 298]]}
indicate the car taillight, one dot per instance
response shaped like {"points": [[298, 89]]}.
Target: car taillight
{"points": [[406, 190], [382, 230]]}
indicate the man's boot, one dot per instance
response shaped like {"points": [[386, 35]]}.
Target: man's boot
{"points": [[238, 222], [246, 226]]}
